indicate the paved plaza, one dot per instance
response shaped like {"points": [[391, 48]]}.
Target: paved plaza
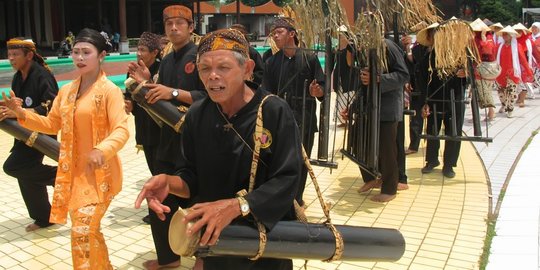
{"points": [[444, 221]]}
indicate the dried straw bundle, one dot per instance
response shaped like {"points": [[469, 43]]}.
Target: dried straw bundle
{"points": [[369, 34], [453, 43], [416, 11], [411, 12], [310, 21]]}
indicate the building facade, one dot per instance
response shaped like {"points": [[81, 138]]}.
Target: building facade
{"points": [[48, 21]]}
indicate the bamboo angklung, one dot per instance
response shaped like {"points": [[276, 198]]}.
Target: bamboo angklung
{"points": [[455, 49], [291, 240], [364, 126], [43, 143], [162, 109]]}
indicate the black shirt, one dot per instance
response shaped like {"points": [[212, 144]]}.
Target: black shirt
{"points": [[429, 83], [147, 131], [288, 77], [178, 70], [344, 75], [39, 88], [258, 70], [218, 163]]}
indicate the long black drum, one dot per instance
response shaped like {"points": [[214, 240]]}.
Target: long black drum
{"points": [[162, 109], [292, 240], [43, 143]]}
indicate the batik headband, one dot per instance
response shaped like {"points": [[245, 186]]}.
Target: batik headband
{"points": [[19, 44], [224, 39], [177, 11]]}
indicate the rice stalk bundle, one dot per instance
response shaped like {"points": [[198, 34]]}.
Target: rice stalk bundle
{"points": [[310, 21], [369, 34], [411, 12], [453, 44]]}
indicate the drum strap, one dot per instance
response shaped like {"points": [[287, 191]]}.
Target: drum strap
{"points": [[300, 214]]}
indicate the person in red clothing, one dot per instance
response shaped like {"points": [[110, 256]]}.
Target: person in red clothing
{"points": [[524, 40], [535, 37], [487, 49], [514, 69]]}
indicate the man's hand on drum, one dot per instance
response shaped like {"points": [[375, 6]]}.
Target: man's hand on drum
{"points": [[215, 216], [138, 71], [5, 112], [158, 92]]}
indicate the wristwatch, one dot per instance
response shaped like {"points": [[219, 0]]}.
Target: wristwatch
{"points": [[244, 206], [175, 93]]}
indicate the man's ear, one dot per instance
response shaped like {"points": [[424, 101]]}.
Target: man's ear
{"points": [[155, 52], [292, 33], [248, 71], [29, 55]]}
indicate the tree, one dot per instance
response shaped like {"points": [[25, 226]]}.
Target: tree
{"points": [[503, 11]]}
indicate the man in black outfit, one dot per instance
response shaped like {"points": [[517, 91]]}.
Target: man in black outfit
{"points": [[178, 82], [36, 85], [391, 82], [147, 131], [296, 76], [218, 138], [437, 93]]}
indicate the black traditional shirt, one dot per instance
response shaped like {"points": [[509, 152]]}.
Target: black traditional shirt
{"points": [[178, 70], [147, 131], [218, 162], [391, 85], [289, 77], [39, 88], [258, 70], [346, 75], [428, 82]]}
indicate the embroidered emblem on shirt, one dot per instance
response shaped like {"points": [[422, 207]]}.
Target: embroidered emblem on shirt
{"points": [[266, 138], [189, 68], [28, 101]]}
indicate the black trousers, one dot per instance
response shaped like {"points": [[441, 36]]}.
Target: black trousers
{"points": [[307, 142], [451, 148], [150, 153], [416, 122], [159, 228], [400, 144], [26, 164], [388, 162]]}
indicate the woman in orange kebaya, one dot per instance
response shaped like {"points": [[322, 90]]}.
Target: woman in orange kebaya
{"points": [[90, 114]]}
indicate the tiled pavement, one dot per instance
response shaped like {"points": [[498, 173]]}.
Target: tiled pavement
{"points": [[443, 220]]}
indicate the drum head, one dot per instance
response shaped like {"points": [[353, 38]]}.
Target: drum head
{"points": [[180, 242]]}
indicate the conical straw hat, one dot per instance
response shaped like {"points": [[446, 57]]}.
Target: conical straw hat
{"points": [[422, 35], [496, 26], [520, 26], [509, 30], [479, 26]]}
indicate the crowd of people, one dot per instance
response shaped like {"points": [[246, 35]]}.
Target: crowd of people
{"points": [[230, 91], [508, 64]]}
